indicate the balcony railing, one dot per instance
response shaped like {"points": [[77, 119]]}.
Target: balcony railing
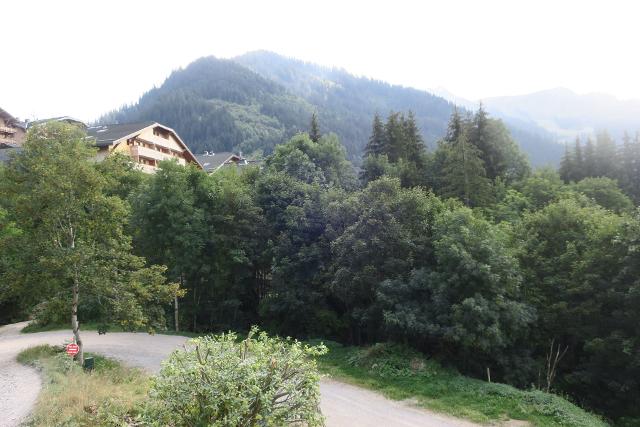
{"points": [[5, 129]]}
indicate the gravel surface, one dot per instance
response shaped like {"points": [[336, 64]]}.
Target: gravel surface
{"points": [[342, 404]]}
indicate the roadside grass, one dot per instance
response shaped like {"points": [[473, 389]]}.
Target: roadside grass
{"points": [[111, 395], [396, 371], [401, 373]]}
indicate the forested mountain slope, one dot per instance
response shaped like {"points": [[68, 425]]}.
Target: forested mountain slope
{"points": [[219, 105], [349, 102], [261, 99]]}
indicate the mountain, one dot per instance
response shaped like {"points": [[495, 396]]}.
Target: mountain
{"points": [[567, 114], [258, 100], [219, 105]]}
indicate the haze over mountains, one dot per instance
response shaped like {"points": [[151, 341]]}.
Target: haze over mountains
{"points": [[562, 112], [257, 100]]}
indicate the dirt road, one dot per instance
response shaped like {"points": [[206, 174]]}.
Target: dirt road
{"points": [[342, 404]]}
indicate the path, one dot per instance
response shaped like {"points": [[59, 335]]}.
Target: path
{"points": [[342, 404]]}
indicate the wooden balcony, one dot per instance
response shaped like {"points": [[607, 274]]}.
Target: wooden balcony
{"points": [[8, 130]]}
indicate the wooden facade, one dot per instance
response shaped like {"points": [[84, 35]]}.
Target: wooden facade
{"points": [[146, 143]]}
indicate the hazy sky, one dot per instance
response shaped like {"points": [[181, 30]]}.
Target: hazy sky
{"points": [[83, 58]]}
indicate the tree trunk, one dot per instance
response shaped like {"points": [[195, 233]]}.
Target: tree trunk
{"points": [[175, 313], [74, 321]]}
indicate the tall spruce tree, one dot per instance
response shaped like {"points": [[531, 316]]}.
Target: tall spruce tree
{"points": [[413, 144], [605, 155], [590, 168], [567, 166], [578, 162], [455, 127], [480, 137], [377, 140], [394, 136], [464, 175], [314, 131]]}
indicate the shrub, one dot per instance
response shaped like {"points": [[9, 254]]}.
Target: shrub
{"points": [[218, 381]]}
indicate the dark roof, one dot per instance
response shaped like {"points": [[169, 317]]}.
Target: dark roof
{"points": [[5, 153], [213, 161], [106, 134], [65, 119], [9, 118]]}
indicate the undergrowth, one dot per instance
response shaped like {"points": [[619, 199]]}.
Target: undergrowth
{"points": [[401, 373], [111, 395]]}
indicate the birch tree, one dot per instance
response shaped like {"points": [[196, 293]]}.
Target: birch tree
{"points": [[73, 242]]}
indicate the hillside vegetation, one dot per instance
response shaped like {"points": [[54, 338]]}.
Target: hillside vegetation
{"points": [[401, 374], [261, 99], [462, 253]]}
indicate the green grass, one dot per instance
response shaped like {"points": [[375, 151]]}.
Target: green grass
{"points": [[400, 374], [110, 395]]}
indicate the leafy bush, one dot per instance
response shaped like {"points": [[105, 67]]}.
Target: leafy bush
{"points": [[218, 381], [391, 361]]}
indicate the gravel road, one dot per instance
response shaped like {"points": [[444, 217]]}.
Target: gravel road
{"points": [[342, 404]]}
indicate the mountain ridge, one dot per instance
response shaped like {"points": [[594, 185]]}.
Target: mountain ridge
{"points": [[255, 101]]}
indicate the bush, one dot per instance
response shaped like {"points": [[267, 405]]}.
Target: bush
{"points": [[218, 381]]}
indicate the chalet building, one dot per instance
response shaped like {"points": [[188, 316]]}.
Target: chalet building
{"points": [[212, 162], [12, 131], [146, 143]]}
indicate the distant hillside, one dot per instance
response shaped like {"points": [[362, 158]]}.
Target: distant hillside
{"points": [[356, 99], [261, 99], [347, 103], [568, 114], [219, 105]]}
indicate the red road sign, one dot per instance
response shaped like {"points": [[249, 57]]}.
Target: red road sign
{"points": [[72, 349]]}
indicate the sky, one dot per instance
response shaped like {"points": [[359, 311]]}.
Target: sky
{"points": [[84, 58]]}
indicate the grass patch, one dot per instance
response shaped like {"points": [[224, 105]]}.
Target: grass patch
{"points": [[111, 395], [401, 373]]}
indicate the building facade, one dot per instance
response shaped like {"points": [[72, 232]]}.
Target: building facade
{"points": [[12, 130], [147, 143]]}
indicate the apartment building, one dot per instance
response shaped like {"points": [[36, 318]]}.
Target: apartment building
{"points": [[12, 130], [146, 143]]}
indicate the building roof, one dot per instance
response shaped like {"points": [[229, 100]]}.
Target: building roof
{"points": [[10, 119], [107, 134], [66, 119], [213, 161]]}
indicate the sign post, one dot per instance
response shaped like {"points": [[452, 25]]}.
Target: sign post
{"points": [[72, 349]]}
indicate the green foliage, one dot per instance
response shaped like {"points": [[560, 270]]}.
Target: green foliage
{"points": [[606, 193], [322, 161], [218, 381], [389, 235], [467, 301], [111, 395], [475, 158], [395, 149], [73, 244], [402, 373]]}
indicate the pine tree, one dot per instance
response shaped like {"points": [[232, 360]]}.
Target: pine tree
{"points": [[314, 132], [567, 166], [413, 144], [394, 136], [605, 155], [578, 162], [480, 137], [455, 126], [589, 159], [464, 175], [629, 172], [377, 140]]}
